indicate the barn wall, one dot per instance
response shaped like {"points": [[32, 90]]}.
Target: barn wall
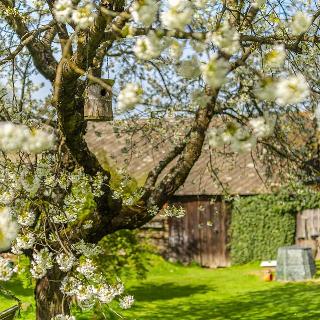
{"points": [[308, 230], [202, 234]]}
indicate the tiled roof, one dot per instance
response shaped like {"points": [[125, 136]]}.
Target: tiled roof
{"points": [[237, 173]]}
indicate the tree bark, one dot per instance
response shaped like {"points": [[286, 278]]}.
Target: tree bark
{"points": [[49, 298]]}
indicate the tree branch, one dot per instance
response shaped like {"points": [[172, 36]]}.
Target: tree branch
{"points": [[26, 39], [41, 53]]}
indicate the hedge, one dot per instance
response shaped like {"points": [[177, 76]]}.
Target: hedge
{"points": [[263, 223]]}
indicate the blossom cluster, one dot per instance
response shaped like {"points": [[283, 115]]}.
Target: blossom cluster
{"points": [[89, 287], [214, 72], [148, 47], [226, 39], [23, 241], [275, 57], [288, 90], [126, 302], [129, 96], [15, 138], [8, 229], [41, 262], [144, 11], [83, 15], [6, 269], [239, 138], [173, 211], [178, 15], [300, 23], [65, 261]]}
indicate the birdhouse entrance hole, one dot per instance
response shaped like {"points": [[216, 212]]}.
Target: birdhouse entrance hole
{"points": [[98, 102]]}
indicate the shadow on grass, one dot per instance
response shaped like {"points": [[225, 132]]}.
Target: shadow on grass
{"points": [[16, 286], [291, 301], [166, 291]]}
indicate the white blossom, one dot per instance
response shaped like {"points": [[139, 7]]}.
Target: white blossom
{"points": [[148, 47], [8, 229], [68, 215], [200, 4], [83, 16], [214, 138], [262, 127], [189, 68], [15, 137], [63, 10], [118, 288], [200, 98], [63, 317], [300, 23], [88, 224], [25, 241], [276, 56], [87, 249], [6, 197], [26, 218], [105, 293], [178, 15], [144, 11], [87, 268], [173, 211], [215, 71], [6, 269], [291, 90], [226, 39], [69, 286], [198, 46], [39, 141], [42, 261], [176, 49], [243, 146], [238, 138], [129, 97], [65, 261], [258, 3], [126, 302], [266, 90]]}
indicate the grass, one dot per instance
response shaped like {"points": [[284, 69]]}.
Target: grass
{"points": [[191, 293]]}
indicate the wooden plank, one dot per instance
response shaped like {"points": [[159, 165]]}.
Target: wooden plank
{"points": [[191, 239]]}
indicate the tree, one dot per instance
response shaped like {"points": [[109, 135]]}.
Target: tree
{"points": [[252, 65]]}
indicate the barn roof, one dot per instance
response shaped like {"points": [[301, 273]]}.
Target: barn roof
{"points": [[213, 174]]}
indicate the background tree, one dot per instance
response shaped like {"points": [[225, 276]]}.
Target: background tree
{"points": [[247, 69]]}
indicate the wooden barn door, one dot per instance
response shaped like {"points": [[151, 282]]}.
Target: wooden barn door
{"points": [[202, 234]]}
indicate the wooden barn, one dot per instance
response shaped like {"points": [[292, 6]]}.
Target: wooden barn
{"points": [[202, 235]]}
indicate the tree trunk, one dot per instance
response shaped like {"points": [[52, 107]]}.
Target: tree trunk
{"points": [[49, 299]]}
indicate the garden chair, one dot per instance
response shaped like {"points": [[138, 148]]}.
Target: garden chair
{"points": [[10, 313]]}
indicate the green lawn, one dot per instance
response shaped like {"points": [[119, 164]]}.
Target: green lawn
{"points": [[176, 292]]}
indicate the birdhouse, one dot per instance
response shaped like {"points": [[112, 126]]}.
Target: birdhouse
{"points": [[98, 101]]}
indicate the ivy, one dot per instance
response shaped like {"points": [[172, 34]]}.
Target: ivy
{"points": [[263, 223]]}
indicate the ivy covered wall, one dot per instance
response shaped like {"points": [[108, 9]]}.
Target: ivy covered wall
{"points": [[263, 223]]}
